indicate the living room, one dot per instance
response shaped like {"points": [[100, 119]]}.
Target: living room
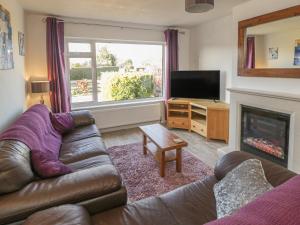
{"points": [[149, 112]]}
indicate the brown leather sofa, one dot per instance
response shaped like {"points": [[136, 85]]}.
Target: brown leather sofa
{"points": [[94, 184], [193, 204]]}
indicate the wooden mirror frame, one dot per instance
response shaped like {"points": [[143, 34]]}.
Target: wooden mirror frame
{"points": [[264, 72]]}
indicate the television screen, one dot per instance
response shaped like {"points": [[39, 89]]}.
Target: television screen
{"points": [[195, 84]]}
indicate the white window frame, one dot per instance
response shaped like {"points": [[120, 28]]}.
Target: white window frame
{"points": [[95, 103]]}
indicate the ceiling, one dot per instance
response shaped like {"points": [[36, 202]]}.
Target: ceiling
{"points": [[154, 12]]}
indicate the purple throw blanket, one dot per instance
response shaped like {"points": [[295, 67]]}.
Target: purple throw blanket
{"points": [[34, 128], [62, 122], [280, 206]]}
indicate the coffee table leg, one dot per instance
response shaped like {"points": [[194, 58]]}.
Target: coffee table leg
{"points": [[162, 164], [178, 160], [144, 144]]}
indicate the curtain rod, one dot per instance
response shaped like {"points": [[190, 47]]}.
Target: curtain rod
{"points": [[108, 25]]}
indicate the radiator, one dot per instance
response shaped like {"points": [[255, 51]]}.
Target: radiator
{"points": [[127, 115]]}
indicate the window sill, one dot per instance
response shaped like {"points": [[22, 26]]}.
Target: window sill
{"points": [[118, 105]]}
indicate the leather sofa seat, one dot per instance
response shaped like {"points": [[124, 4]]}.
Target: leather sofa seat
{"points": [[75, 187]]}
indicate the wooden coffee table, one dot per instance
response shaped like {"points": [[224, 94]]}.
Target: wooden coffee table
{"points": [[162, 145]]}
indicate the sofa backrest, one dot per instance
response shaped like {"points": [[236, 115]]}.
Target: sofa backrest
{"points": [[275, 174]]}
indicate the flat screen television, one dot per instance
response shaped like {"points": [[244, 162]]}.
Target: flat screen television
{"points": [[196, 84]]}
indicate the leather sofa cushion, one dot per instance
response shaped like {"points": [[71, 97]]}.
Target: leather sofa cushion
{"points": [[98, 161], [194, 203], [189, 205], [275, 174], [71, 188], [82, 118], [81, 133], [61, 215], [15, 169], [82, 149]]}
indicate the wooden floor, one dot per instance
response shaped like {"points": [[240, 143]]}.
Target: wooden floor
{"points": [[204, 150]]}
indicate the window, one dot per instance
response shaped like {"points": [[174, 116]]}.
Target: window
{"points": [[108, 72]]}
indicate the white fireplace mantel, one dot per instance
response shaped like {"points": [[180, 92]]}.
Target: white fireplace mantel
{"points": [[269, 94], [274, 101]]}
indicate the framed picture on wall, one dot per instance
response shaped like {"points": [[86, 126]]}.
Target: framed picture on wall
{"points": [[6, 45], [273, 53], [297, 54], [21, 43]]}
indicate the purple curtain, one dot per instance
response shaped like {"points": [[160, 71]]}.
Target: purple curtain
{"points": [[59, 97], [250, 54], [171, 37]]}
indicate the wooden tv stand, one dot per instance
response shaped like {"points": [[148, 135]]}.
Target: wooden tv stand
{"points": [[205, 117]]}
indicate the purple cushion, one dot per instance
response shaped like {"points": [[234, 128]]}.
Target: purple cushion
{"points": [[62, 122], [34, 129], [280, 206]]}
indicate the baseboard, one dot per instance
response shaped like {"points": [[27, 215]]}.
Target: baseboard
{"points": [[125, 127], [223, 151]]}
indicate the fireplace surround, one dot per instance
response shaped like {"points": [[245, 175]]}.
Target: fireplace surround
{"points": [[265, 133], [285, 103]]}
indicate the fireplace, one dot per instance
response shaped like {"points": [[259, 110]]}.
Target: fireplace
{"points": [[265, 133]]}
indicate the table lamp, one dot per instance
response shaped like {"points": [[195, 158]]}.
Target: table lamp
{"points": [[40, 87]]}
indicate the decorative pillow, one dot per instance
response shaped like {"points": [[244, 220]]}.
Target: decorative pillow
{"points": [[240, 186], [47, 166], [62, 122]]}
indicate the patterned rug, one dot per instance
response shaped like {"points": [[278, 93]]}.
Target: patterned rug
{"points": [[140, 172]]}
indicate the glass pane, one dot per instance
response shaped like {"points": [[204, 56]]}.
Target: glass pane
{"points": [[79, 47], [81, 79], [129, 71]]}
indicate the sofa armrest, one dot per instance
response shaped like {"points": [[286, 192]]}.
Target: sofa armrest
{"points": [[275, 174], [65, 214], [82, 118]]}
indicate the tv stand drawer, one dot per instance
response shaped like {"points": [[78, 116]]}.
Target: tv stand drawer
{"points": [[178, 123]]}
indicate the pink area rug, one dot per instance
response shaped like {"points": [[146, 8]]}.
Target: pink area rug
{"points": [[140, 172]]}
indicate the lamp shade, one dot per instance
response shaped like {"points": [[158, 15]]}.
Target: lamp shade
{"points": [[40, 86], [198, 6]]}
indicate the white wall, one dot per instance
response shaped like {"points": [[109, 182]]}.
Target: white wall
{"points": [[36, 65], [249, 10], [212, 47], [12, 83], [36, 58]]}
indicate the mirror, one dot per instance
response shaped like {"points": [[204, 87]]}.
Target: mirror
{"points": [[274, 45], [269, 45]]}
